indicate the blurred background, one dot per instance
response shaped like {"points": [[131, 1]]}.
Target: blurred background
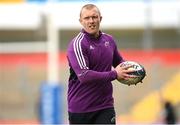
{"points": [[34, 35]]}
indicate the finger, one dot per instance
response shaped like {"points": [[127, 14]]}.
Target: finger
{"points": [[125, 75], [127, 67], [129, 70], [130, 76], [133, 76]]}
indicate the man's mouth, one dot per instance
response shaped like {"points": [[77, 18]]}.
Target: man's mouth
{"points": [[92, 26]]}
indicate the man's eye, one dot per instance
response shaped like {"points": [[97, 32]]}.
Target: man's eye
{"points": [[86, 18], [94, 17]]}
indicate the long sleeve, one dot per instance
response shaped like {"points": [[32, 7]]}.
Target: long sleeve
{"points": [[89, 76]]}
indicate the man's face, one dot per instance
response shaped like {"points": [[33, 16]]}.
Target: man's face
{"points": [[90, 19]]}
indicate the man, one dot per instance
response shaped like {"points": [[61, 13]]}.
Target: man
{"points": [[91, 55], [169, 113]]}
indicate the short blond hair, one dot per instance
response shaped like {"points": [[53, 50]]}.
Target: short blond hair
{"points": [[88, 7]]}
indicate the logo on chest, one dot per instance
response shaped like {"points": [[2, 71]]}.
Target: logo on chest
{"points": [[106, 44]]}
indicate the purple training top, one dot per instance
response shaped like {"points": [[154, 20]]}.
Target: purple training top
{"points": [[91, 60]]}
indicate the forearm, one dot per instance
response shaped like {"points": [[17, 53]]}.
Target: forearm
{"points": [[89, 76]]}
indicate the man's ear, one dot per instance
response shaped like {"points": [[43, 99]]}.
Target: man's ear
{"points": [[80, 20]]}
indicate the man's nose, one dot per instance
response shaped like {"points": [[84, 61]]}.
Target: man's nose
{"points": [[91, 19]]}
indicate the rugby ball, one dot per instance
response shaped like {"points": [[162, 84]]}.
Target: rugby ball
{"points": [[139, 72]]}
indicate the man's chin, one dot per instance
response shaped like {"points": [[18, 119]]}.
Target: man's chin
{"points": [[92, 32]]}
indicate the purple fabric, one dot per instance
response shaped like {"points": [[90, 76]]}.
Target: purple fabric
{"points": [[91, 60]]}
